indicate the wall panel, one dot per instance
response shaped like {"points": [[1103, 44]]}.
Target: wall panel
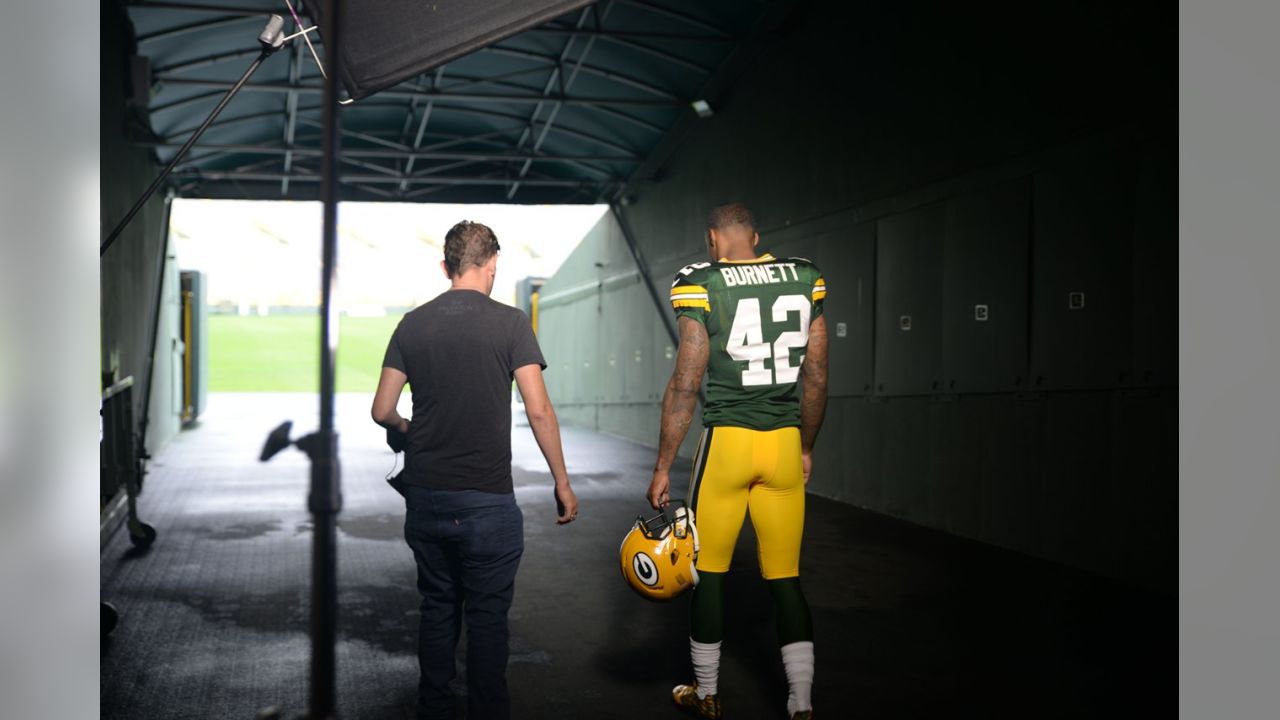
{"points": [[1082, 223], [638, 353], [908, 352], [847, 259], [984, 337]]}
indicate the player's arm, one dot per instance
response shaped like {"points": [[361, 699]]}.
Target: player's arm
{"points": [[384, 412], [546, 430], [679, 403], [813, 401]]}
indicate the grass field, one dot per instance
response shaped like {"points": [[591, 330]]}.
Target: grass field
{"points": [[281, 353]]}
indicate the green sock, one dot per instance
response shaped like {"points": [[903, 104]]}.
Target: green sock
{"points": [[707, 609], [795, 624]]}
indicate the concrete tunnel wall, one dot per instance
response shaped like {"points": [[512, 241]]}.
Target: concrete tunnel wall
{"points": [[1002, 154], [129, 269]]}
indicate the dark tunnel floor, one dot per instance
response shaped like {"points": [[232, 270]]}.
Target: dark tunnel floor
{"points": [[910, 623]]}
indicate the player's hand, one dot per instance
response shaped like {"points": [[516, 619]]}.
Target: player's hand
{"points": [[566, 504], [806, 460], [658, 494]]}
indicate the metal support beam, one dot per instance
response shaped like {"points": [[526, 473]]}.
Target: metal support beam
{"points": [[556, 79], [464, 81], [552, 29], [623, 152], [438, 151], [583, 162], [666, 99], [643, 268], [356, 134], [203, 7], [197, 27], [421, 154], [565, 86], [203, 61], [422, 125], [589, 69], [635, 121], [388, 179]]}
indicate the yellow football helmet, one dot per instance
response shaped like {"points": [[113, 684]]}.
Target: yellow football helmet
{"points": [[658, 554]]}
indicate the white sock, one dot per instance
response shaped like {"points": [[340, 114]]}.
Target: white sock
{"points": [[706, 666], [797, 658]]}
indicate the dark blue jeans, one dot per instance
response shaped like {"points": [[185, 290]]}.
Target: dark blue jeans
{"points": [[467, 545]]}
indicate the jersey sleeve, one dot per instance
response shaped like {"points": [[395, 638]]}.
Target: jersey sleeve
{"points": [[689, 296], [818, 293]]}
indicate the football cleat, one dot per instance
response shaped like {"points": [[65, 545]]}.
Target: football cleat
{"points": [[686, 698], [802, 715], [658, 555]]}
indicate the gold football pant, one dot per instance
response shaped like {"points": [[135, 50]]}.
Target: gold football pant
{"points": [[736, 469]]}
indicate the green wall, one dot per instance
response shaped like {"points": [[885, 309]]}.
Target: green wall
{"points": [[608, 351]]}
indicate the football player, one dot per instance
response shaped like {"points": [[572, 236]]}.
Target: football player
{"points": [[752, 323]]}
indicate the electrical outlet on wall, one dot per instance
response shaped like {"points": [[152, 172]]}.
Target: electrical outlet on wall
{"points": [[842, 329]]}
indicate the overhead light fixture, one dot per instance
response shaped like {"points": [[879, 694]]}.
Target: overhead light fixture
{"points": [[702, 108]]}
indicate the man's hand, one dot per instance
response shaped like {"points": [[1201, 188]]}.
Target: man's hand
{"points": [[806, 460], [566, 504], [658, 494], [396, 440]]}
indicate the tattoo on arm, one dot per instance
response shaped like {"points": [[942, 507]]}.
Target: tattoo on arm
{"points": [[680, 400], [813, 403]]}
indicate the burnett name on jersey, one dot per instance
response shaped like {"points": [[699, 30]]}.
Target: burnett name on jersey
{"points": [[758, 274]]}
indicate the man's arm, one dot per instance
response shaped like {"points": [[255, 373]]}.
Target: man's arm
{"points": [[679, 403], [546, 430], [390, 385], [813, 402]]}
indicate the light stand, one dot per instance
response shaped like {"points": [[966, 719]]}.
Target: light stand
{"points": [[321, 447]]}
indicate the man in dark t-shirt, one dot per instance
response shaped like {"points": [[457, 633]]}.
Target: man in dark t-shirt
{"points": [[459, 354]]}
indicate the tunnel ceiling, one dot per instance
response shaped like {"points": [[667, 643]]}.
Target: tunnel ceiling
{"points": [[567, 112]]}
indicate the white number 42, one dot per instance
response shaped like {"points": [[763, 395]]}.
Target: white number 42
{"points": [[746, 340]]}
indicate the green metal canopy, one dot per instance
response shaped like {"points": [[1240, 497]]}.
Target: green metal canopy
{"points": [[571, 111]]}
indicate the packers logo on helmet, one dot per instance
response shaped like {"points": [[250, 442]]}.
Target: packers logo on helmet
{"points": [[646, 572], [658, 555]]}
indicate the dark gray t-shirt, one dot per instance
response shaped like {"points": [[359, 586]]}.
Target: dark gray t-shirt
{"points": [[460, 352]]}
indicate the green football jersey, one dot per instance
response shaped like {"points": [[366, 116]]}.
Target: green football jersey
{"points": [[757, 314]]}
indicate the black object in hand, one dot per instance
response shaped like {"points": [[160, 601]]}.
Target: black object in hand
{"points": [[396, 440]]}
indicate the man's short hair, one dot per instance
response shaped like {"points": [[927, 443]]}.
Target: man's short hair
{"points": [[725, 216], [468, 243]]}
